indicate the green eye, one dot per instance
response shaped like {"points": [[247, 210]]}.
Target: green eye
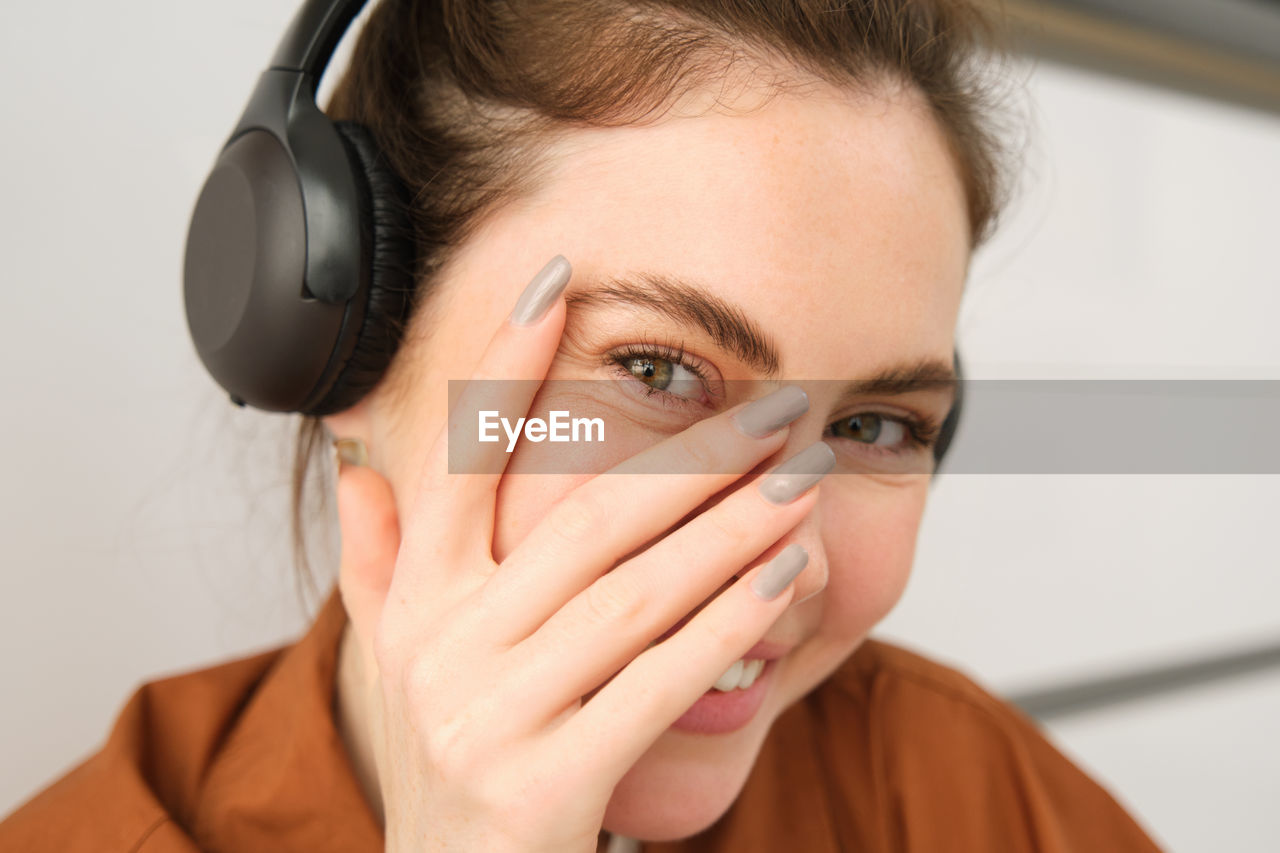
{"points": [[867, 428], [664, 375], [659, 371]]}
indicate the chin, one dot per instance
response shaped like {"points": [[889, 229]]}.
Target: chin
{"points": [[684, 783]]}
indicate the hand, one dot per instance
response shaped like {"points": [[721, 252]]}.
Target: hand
{"points": [[478, 670]]}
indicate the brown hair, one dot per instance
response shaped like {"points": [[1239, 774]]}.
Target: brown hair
{"points": [[465, 97]]}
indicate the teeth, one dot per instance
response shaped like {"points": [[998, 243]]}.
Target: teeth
{"points": [[740, 676], [731, 677]]}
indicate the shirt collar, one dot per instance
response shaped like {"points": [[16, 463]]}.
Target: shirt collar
{"points": [[283, 779]]}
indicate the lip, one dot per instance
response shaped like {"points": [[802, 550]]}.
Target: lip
{"points": [[767, 651], [718, 713]]}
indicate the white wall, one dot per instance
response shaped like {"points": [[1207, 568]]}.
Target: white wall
{"points": [[1141, 247], [145, 518]]}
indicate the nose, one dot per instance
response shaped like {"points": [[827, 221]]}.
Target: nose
{"points": [[813, 577], [807, 534]]}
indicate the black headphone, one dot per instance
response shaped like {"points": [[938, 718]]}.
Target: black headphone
{"points": [[299, 269]]}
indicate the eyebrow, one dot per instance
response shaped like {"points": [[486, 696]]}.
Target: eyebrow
{"points": [[690, 305], [693, 305], [927, 374]]}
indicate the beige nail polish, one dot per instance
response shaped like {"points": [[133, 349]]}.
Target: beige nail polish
{"points": [[349, 451], [798, 474], [772, 412], [539, 295], [780, 572]]}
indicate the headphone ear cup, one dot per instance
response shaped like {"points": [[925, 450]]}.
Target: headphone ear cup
{"points": [[390, 245], [952, 420]]}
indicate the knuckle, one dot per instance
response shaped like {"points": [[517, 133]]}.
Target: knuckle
{"points": [[579, 519], [700, 452], [723, 528], [429, 671], [454, 754], [455, 738], [418, 678], [612, 600], [724, 637]]}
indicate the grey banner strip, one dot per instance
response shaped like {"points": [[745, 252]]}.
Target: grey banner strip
{"points": [[1007, 426], [1118, 427]]}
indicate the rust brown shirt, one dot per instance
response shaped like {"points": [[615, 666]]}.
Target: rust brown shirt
{"points": [[893, 752]]}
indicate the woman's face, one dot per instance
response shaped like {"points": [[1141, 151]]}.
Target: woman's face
{"points": [[834, 229]]}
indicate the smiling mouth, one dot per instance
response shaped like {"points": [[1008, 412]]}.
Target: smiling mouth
{"points": [[763, 650]]}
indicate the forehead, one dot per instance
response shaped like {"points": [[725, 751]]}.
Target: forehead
{"points": [[840, 211]]}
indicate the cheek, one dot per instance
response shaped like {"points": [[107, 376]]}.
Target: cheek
{"points": [[523, 501], [540, 474], [870, 538]]}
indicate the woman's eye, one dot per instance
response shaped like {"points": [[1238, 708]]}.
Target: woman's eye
{"points": [[870, 428], [664, 375]]}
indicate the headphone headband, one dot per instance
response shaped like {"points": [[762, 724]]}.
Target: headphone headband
{"points": [[313, 35], [300, 257]]}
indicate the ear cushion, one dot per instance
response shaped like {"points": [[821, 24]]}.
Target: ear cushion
{"points": [[390, 243]]}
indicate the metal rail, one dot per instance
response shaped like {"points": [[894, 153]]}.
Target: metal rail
{"points": [[1225, 50], [1093, 694]]}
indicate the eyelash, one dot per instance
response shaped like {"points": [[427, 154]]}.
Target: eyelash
{"points": [[921, 432], [656, 351]]}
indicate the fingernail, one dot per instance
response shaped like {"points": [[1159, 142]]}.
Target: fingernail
{"points": [[781, 571], [541, 292], [798, 474], [349, 451], [772, 412]]}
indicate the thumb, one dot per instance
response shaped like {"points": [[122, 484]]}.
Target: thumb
{"points": [[370, 532]]}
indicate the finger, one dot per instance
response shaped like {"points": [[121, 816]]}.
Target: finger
{"points": [[606, 625], [460, 473], [642, 701], [598, 524], [370, 533]]}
